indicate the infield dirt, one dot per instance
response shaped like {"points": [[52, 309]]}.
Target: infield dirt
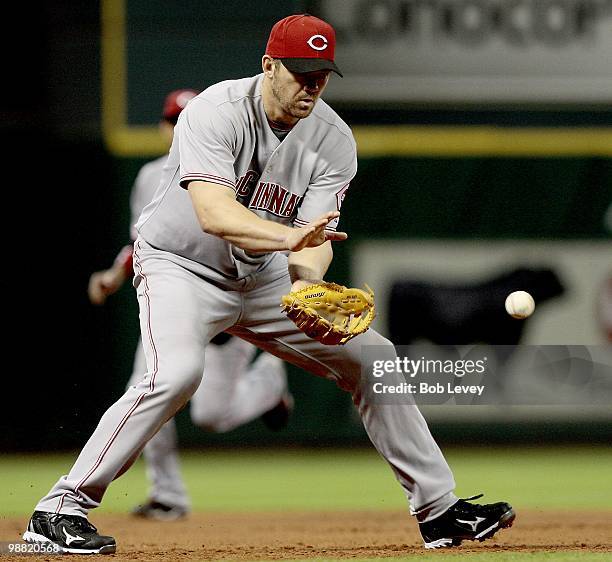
{"points": [[323, 535]]}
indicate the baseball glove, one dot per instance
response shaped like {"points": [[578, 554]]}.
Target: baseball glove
{"points": [[330, 313]]}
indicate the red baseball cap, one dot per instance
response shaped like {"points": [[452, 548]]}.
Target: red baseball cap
{"points": [[303, 43], [175, 102]]}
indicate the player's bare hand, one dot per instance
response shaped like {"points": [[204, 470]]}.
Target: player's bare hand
{"points": [[314, 234], [104, 283]]}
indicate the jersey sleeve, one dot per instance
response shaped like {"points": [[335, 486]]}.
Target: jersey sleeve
{"points": [[207, 143], [326, 192]]}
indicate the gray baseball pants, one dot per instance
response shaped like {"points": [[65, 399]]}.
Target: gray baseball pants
{"points": [[182, 307], [233, 392]]}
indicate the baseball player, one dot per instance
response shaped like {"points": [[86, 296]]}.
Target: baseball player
{"points": [[246, 212], [232, 393]]}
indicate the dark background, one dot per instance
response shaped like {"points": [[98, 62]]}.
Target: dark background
{"points": [[66, 216]]}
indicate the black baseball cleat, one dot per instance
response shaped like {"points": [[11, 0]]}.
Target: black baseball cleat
{"points": [[71, 534], [278, 417], [465, 521], [159, 511]]}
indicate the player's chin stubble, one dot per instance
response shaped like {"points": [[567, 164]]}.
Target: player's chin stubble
{"points": [[291, 106]]}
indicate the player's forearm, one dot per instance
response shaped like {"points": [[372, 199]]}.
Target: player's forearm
{"points": [[221, 215], [124, 262], [310, 264], [253, 235]]}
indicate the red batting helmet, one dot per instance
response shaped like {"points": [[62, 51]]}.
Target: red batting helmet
{"points": [[175, 102]]}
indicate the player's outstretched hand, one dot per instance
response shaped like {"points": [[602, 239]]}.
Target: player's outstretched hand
{"points": [[104, 283], [314, 234]]}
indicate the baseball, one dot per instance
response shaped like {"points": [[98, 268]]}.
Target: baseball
{"points": [[520, 304]]}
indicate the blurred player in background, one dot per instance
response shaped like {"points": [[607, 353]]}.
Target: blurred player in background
{"points": [[234, 391]]}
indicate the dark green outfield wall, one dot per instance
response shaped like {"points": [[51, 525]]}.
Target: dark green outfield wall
{"points": [[465, 197], [480, 198]]}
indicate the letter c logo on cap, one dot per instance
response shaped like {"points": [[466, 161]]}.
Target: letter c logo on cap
{"points": [[322, 42]]}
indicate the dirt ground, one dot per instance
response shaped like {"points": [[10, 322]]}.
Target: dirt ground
{"points": [[355, 534]]}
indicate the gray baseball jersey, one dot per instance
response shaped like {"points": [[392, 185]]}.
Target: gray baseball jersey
{"points": [[223, 137], [144, 188]]}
